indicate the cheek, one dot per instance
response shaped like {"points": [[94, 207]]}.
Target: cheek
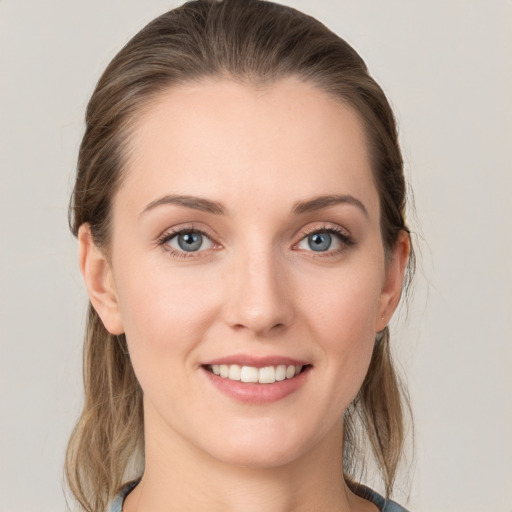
{"points": [[165, 311], [166, 314], [345, 303], [342, 318]]}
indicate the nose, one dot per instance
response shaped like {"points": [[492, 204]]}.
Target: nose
{"points": [[259, 298]]}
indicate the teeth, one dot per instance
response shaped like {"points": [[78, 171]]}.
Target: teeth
{"points": [[290, 372], [281, 372], [248, 374], [234, 372], [266, 375]]}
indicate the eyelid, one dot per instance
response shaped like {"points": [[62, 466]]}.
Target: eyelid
{"points": [[345, 238], [170, 233], [323, 227]]}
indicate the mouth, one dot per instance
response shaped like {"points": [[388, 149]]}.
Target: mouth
{"points": [[257, 375], [257, 380]]}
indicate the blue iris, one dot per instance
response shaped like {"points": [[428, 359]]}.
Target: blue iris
{"points": [[319, 241], [190, 241]]}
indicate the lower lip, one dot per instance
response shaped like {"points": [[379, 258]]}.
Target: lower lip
{"points": [[255, 393]]}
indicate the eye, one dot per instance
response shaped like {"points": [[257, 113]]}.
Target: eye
{"points": [[186, 240], [319, 242], [325, 240]]}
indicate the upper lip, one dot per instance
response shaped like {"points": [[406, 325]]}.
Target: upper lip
{"points": [[257, 362]]}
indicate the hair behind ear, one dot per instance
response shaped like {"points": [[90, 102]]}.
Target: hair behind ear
{"points": [[109, 434], [379, 407]]}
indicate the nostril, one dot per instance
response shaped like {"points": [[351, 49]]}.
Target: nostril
{"points": [[259, 327]]}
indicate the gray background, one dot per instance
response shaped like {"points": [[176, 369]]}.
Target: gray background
{"points": [[446, 65]]}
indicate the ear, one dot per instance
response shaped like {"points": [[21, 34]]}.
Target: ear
{"points": [[97, 274], [393, 281]]}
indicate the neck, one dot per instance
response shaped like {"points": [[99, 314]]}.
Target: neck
{"points": [[181, 477]]}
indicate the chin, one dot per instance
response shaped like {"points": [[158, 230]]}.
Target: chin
{"points": [[262, 458], [262, 448]]}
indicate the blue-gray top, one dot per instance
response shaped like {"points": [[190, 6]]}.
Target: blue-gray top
{"points": [[365, 492]]}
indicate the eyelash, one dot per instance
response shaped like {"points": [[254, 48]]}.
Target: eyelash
{"points": [[346, 241], [169, 235]]}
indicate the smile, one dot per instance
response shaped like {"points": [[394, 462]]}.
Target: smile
{"points": [[257, 380], [265, 375]]}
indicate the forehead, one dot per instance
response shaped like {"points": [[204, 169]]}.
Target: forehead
{"points": [[230, 141]]}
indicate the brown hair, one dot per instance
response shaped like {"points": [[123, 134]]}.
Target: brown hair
{"points": [[255, 42]]}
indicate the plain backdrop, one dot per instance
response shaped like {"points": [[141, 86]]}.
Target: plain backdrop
{"points": [[446, 66]]}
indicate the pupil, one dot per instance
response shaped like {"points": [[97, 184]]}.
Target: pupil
{"points": [[319, 241], [190, 241]]}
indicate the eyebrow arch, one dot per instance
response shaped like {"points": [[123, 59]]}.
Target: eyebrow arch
{"points": [[196, 203], [320, 202]]}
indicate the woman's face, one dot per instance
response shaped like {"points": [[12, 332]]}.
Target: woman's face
{"points": [[246, 235]]}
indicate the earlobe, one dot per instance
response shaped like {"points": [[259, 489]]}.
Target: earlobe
{"points": [[394, 278], [97, 273]]}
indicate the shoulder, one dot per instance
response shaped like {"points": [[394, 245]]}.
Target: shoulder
{"points": [[391, 506], [117, 503], [384, 505]]}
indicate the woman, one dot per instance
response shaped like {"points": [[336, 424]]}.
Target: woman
{"points": [[239, 206]]}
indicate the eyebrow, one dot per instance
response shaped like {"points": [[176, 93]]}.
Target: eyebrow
{"points": [[300, 207], [196, 203], [320, 202]]}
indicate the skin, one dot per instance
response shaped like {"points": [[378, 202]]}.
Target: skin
{"points": [[256, 288]]}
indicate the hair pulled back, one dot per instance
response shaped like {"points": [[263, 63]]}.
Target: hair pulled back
{"points": [[255, 42]]}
